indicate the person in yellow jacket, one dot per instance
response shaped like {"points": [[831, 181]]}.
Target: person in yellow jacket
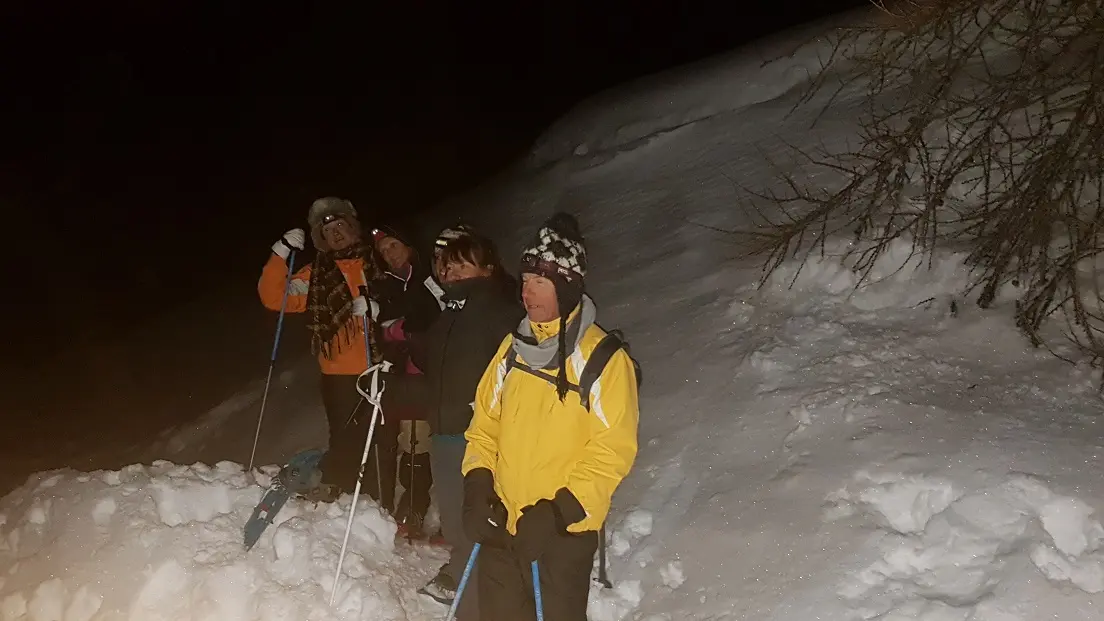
{"points": [[540, 467], [328, 291]]}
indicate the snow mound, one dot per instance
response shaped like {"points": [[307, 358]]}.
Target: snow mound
{"points": [[900, 278], [164, 542], [617, 604], [626, 539], [948, 550]]}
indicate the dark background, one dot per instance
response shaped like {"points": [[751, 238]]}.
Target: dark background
{"points": [[154, 150]]}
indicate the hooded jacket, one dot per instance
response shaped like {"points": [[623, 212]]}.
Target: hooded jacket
{"points": [[535, 445], [405, 295], [460, 344]]}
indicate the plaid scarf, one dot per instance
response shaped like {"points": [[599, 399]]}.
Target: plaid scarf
{"points": [[330, 304]]}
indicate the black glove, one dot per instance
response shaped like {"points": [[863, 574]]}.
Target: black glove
{"points": [[541, 523], [484, 514]]}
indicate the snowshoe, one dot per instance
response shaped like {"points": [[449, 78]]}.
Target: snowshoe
{"points": [[442, 589], [265, 511], [408, 532], [323, 492], [301, 478], [410, 527], [413, 532]]}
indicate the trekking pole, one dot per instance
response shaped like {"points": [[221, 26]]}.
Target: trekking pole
{"points": [[602, 577], [379, 478], [463, 582], [537, 593], [413, 454], [272, 360], [368, 348], [373, 397]]}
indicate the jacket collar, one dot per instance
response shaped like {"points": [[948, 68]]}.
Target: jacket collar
{"points": [[548, 329]]}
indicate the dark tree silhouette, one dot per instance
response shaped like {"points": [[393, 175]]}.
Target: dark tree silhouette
{"points": [[983, 133]]}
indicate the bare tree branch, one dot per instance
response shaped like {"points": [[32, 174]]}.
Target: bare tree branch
{"points": [[982, 132]]}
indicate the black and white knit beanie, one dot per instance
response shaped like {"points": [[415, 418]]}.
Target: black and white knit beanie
{"points": [[558, 253]]}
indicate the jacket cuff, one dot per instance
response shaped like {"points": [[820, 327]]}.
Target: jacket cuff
{"points": [[569, 507], [479, 481], [393, 330]]}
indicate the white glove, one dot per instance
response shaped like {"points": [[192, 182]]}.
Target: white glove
{"points": [[362, 306], [294, 239]]}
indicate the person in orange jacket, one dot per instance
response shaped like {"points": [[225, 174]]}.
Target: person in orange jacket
{"points": [[328, 291]]}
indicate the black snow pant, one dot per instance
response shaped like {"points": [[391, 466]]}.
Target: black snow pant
{"points": [[448, 481], [506, 583], [347, 433], [416, 478]]}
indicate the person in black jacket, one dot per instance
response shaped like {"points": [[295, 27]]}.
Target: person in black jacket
{"points": [[482, 307], [406, 306], [402, 291]]}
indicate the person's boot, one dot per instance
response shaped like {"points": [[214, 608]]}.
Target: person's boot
{"points": [[323, 492], [309, 485], [441, 589], [411, 527], [438, 539]]}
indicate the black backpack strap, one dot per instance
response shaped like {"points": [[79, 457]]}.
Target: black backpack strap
{"points": [[509, 358], [544, 375], [512, 362], [596, 363]]}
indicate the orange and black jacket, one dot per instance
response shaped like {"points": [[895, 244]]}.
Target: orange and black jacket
{"points": [[348, 359]]}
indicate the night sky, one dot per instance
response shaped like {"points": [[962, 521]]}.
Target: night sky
{"points": [[154, 150]]}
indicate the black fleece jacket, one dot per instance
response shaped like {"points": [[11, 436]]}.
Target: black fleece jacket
{"points": [[460, 344], [408, 299]]}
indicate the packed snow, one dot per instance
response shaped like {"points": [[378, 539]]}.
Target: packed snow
{"points": [[165, 542], [809, 449]]}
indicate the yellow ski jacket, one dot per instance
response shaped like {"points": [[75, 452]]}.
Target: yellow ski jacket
{"points": [[534, 444]]}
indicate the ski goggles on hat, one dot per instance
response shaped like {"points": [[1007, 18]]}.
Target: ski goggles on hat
{"points": [[534, 264]]}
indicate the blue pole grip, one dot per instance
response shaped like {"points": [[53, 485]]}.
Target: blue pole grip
{"points": [[283, 306], [537, 593]]}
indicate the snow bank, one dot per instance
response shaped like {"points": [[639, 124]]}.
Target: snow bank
{"points": [[164, 542], [947, 550], [625, 596], [901, 277]]}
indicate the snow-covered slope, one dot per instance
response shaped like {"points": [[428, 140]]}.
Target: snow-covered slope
{"points": [[807, 452], [627, 115], [164, 543]]}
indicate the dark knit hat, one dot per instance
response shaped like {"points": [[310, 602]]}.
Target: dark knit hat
{"points": [[402, 234], [383, 231], [324, 211], [558, 253], [450, 233]]}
